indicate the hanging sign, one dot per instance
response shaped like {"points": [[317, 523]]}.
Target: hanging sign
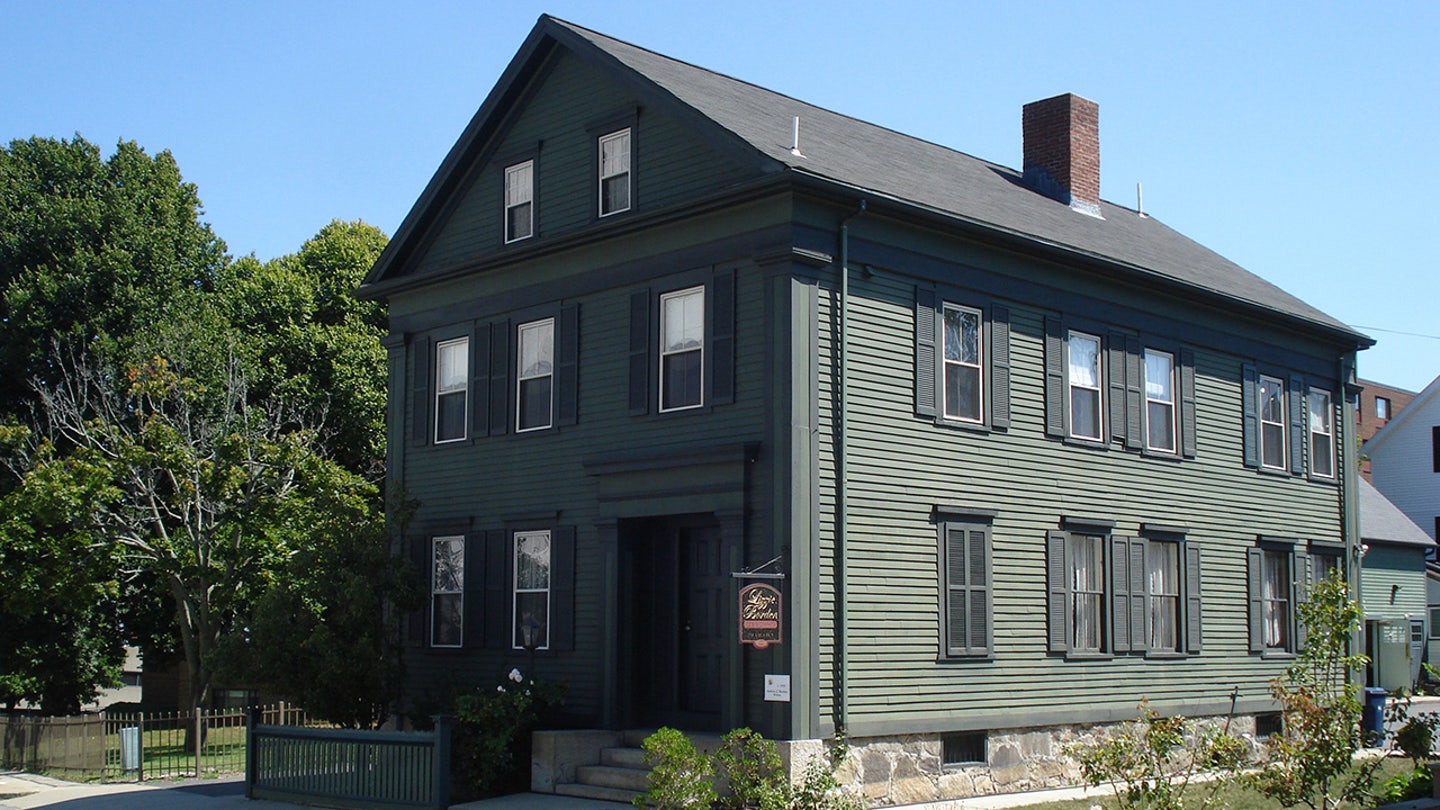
{"points": [[760, 608]]}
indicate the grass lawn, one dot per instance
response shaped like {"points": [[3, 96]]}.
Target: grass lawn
{"points": [[1230, 797]]}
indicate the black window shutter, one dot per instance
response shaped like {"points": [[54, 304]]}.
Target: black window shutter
{"points": [[1298, 431], [562, 588], [567, 365], [480, 381], [1304, 572], [1249, 404], [1139, 573], [1058, 609], [722, 338], [497, 590], [977, 563], [417, 631], [1255, 558], [1192, 598], [1188, 440], [1435, 448], [499, 378], [1115, 369], [1055, 418], [640, 352], [1121, 624], [474, 591], [1134, 394], [954, 589], [422, 367], [999, 366], [927, 356]]}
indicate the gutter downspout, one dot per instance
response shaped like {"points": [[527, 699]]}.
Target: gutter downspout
{"points": [[1350, 499], [842, 490]]}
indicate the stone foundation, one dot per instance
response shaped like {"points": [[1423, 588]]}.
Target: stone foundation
{"points": [[909, 769]]}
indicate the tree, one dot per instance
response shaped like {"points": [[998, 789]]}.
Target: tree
{"points": [[91, 249], [196, 486], [308, 340]]}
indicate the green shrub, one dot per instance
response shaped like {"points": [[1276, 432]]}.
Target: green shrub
{"points": [[1404, 787], [492, 733], [680, 776], [819, 789], [752, 766]]}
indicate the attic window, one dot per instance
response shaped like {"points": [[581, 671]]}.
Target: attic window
{"points": [[520, 201], [615, 172]]}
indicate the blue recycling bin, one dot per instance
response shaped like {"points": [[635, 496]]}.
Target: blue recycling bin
{"points": [[1372, 716]]}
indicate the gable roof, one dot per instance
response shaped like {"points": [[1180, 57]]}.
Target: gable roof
{"points": [[1404, 416], [883, 164], [1382, 521]]}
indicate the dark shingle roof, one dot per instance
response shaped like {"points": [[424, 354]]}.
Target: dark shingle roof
{"points": [[1382, 521], [886, 163]]}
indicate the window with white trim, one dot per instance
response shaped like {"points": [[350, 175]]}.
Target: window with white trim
{"points": [[520, 201], [447, 591], [534, 375], [1159, 401], [1276, 585], [964, 370], [682, 349], [452, 378], [1322, 434], [615, 184], [1272, 424], [1162, 560], [532, 590], [1087, 578], [1084, 380], [1382, 407]]}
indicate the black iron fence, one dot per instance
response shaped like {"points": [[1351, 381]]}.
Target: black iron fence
{"points": [[126, 746]]}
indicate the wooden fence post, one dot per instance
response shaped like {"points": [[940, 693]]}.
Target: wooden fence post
{"points": [[440, 763], [140, 722], [252, 719], [199, 740]]}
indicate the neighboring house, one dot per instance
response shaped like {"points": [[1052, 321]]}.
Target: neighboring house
{"points": [[1405, 459], [1022, 457], [1394, 591], [1378, 405], [127, 694]]}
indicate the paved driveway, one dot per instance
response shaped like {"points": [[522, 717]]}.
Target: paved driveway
{"points": [[23, 790]]}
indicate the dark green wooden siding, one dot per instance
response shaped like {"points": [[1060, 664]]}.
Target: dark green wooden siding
{"points": [[671, 164]]}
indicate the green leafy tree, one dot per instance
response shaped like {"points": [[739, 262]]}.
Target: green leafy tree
{"points": [[91, 250], [1311, 762]]}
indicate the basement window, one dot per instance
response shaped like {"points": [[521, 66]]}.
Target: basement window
{"points": [[964, 748], [1268, 725]]}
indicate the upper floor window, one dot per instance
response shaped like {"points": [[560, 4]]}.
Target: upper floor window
{"points": [[532, 590], [534, 375], [1322, 434], [964, 379], [1159, 401], [452, 375], [615, 186], [1272, 423], [447, 591], [682, 349], [1382, 407], [520, 201], [1084, 380]]}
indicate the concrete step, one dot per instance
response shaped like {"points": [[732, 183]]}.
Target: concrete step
{"points": [[603, 794], [623, 758], [612, 777]]}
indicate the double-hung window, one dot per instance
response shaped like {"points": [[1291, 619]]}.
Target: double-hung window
{"points": [[1322, 434], [447, 591], [1272, 596], [520, 201], [452, 374], [1078, 572], [964, 378], [1162, 574], [1159, 401], [534, 375], [1084, 382], [615, 186], [532, 590], [682, 349], [1272, 424]]}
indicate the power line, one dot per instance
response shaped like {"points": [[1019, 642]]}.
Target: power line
{"points": [[1394, 332]]}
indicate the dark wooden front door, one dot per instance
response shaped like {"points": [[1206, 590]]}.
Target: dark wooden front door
{"points": [[675, 595]]}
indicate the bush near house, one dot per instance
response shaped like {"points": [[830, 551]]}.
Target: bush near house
{"points": [[684, 779], [492, 734]]}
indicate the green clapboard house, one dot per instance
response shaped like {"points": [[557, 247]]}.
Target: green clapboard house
{"points": [[1011, 457]]}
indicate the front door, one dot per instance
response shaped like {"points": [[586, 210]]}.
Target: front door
{"points": [[674, 607]]}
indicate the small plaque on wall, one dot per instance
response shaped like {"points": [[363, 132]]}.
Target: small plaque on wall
{"points": [[760, 615], [777, 688]]}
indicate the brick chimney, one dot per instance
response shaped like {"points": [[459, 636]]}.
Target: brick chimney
{"points": [[1062, 150]]}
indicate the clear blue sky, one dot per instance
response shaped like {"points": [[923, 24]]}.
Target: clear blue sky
{"points": [[1297, 139]]}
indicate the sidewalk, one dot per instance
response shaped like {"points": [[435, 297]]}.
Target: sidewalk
{"points": [[19, 791]]}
